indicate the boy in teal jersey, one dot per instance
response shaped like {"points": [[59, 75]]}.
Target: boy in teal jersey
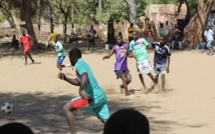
{"points": [[60, 53], [138, 47], [92, 97]]}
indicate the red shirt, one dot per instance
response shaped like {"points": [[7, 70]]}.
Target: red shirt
{"points": [[26, 41], [149, 33]]}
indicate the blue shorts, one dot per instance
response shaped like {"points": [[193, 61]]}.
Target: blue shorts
{"points": [[209, 43], [159, 68], [60, 59], [99, 109]]}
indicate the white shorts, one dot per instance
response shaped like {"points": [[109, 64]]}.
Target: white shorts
{"points": [[144, 66]]}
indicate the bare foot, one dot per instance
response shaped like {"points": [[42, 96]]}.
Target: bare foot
{"points": [[127, 94], [144, 91], [156, 89]]}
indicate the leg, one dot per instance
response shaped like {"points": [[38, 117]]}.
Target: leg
{"points": [[68, 111], [142, 81], [59, 66], [156, 78], [124, 84], [26, 61], [173, 43], [180, 45], [162, 82], [90, 43], [128, 79], [209, 46], [29, 55], [93, 44], [152, 78], [60, 60]]}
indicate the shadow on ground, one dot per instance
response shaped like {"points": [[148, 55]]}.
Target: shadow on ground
{"points": [[44, 114]]}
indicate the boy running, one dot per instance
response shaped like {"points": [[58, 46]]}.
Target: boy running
{"points": [[121, 51], [138, 47], [60, 53], [25, 41], [92, 97], [161, 60]]}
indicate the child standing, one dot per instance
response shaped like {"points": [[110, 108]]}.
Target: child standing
{"points": [[161, 61], [60, 52], [92, 97], [25, 41], [121, 51]]}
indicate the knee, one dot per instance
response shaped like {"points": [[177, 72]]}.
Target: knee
{"points": [[162, 76], [67, 107]]}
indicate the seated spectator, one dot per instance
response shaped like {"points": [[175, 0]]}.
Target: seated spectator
{"points": [[15, 128], [14, 43], [176, 39], [202, 44], [127, 121]]}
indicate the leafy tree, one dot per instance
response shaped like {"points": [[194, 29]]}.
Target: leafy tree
{"points": [[65, 8]]}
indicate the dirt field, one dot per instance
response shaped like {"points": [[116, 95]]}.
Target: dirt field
{"points": [[186, 107]]}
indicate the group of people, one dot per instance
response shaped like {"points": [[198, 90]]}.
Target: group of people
{"points": [[91, 95], [137, 48]]}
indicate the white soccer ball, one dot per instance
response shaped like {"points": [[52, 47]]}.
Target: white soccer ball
{"points": [[7, 108]]}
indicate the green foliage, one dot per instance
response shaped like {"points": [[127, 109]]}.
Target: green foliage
{"points": [[2, 17], [87, 12]]}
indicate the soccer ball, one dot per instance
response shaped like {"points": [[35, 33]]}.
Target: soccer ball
{"points": [[7, 108]]}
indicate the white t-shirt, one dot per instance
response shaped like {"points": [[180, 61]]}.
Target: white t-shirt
{"points": [[167, 29], [209, 34]]}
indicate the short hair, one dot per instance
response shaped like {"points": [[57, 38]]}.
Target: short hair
{"points": [[15, 128], [75, 52], [127, 121]]}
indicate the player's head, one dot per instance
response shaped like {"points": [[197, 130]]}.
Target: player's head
{"points": [[135, 35], [119, 40], [55, 38], [127, 121], [74, 55], [162, 41], [15, 128], [23, 31]]}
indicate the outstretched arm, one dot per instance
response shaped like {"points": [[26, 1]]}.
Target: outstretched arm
{"points": [[109, 55]]}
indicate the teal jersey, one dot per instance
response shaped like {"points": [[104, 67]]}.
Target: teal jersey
{"points": [[92, 87], [138, 47], [59, 49]]}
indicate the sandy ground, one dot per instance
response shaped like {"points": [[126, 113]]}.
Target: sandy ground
{"points": [[186, 107]]}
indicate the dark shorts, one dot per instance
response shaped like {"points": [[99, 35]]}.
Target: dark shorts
{"points": [[120, 73], [159, 68]]}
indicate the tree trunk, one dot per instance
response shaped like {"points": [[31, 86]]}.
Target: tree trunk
{"points": [[65, 27], [132, 11], [28, 23], [194, 30]]}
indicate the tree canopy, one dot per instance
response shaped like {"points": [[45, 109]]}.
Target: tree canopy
{"points": [[81, 12]]}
